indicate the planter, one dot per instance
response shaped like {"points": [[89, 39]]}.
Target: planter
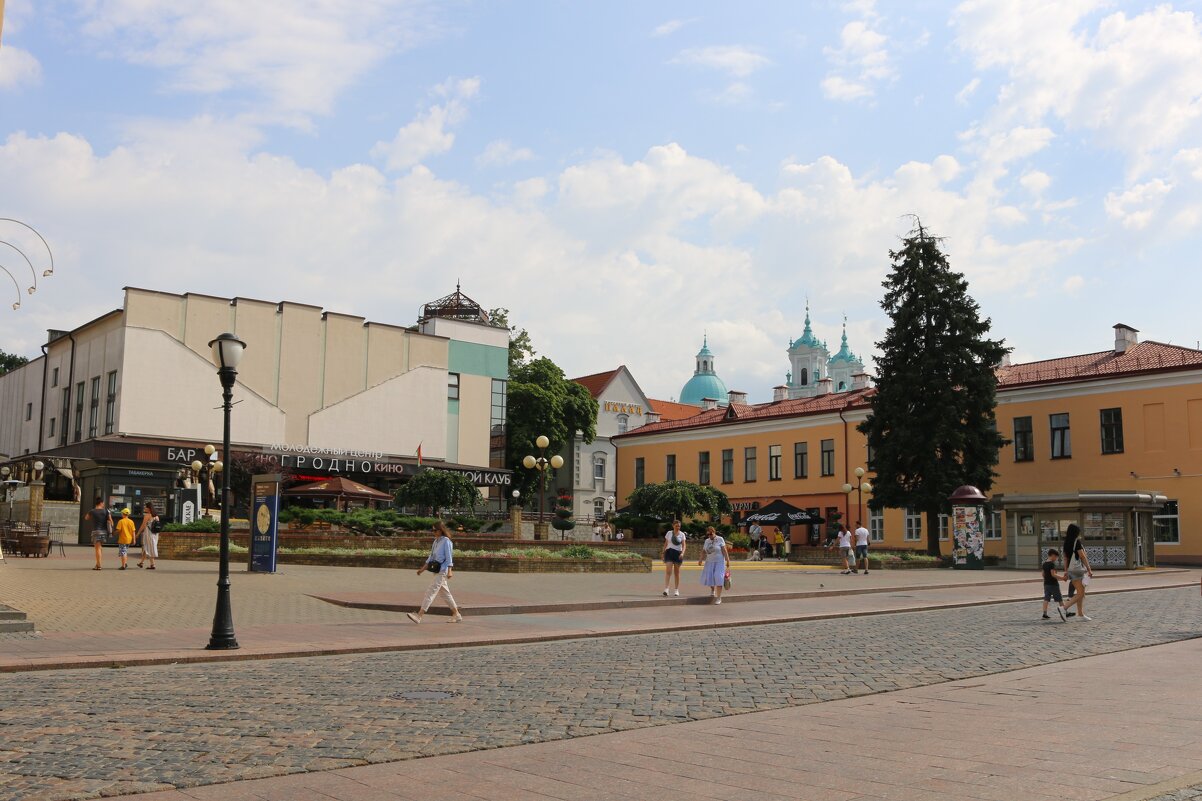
{"points": [[35, 545], [480, 564]]}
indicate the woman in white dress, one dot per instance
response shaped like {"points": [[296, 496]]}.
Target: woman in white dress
{"points": [[149, 536], [716, 561]]}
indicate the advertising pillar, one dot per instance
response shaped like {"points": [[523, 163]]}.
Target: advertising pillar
{"points": [[264, 522], [968, 528]]}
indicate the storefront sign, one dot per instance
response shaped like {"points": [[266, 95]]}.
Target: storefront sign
{"points": [[622, 408], [744, 506], [333, 466]]}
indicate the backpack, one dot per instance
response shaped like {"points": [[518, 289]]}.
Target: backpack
{"points": [[156, 525]]}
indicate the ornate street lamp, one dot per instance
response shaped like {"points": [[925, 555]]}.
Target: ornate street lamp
{"points": [[859, 489], [541, 463], [227, 352]]}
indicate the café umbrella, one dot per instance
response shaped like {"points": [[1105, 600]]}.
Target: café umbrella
{"points": [[779, 513]]}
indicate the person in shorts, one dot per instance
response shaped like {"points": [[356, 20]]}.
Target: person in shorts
{"points": [[674, 543], [845, 550], [861, 535], [102, 526], [1051, 585], [126, 531]]}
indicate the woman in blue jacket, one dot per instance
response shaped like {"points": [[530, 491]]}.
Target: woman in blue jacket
{"points": [[438, 562]]}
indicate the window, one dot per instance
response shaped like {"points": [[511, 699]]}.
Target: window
{"points": [[993, 525], [52, 422], [876, 525], [79, 411], [749, 464], [452, 386], [110, 403], [1024, 442], [640, 472], [728, 466], [774, 463], [670, 467], [623, 423], [599, 466], [801, 460], [870, 456], [54, 377], [828, 457], [913, 526], [703, 467], [62, 437], [805, 377], [1062, 446], [1112, 431], [94, 407], [496, 426], [943, 528], [1164, 525], [598, 508], [28, 411]]}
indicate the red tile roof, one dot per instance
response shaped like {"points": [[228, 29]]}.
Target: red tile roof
{"points": [[738, 412], [1145, 357], [597, 382], [670, 410]]}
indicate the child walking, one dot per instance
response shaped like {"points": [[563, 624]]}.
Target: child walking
{"points": [[125, 537], [1051, 585]]}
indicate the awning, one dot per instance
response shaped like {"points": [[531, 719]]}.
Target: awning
{"points": [[779, 513]]}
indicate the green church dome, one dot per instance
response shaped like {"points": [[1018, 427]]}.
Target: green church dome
{"points": [[705, 382]]}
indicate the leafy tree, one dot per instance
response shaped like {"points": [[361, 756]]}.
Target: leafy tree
{"points": [[521, 351], [10, 362], [438, 489], [563, 521], [932, 427], [677, 499], [543, 402]]}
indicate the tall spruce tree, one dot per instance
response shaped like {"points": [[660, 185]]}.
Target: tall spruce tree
{"points": [[932, 427]]}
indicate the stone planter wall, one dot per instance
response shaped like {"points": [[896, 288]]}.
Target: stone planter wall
{"points": [[482, 564]]}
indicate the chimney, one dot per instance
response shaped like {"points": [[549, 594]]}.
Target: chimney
{"points": [[707, 404], [860, 381], [735, 396], [780, 393], [1125, 338], [650, 417], [824, 386], [1005, 362]]}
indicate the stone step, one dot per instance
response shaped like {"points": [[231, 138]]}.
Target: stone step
{"points": [[15, 626], [11, 614]]}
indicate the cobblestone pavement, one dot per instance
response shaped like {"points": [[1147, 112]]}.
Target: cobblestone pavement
{"points": [[1184, 794], [76, 734]]}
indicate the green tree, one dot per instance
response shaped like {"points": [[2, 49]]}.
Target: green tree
{"points": [[543, 402], [932, 427], [10, 362], [677, 499], [434, 489], [563, 521], [521, 351]]}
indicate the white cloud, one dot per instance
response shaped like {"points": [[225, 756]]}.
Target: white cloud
{"points": [[428, 135], [970, 88], [733, 59], [502, 153], [670, 27], [18, 68], [1073, 284], [1036, 181], [1135, 207], [861, 61], [296, 57]]}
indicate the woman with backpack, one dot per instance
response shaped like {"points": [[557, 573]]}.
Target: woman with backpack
{"points": [[148, 535]]}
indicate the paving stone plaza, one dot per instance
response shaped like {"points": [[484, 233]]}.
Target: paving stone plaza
{"points": [[181, 730]]}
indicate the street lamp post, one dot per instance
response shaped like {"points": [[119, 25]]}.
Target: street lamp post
{"points": [[859, 489], [541, 463], [227, 352]]}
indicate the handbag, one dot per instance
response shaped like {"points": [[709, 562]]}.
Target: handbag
{"points": [[434, 566], [726, 581]]}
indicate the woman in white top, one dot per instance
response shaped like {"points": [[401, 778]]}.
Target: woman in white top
{"points": [[674, 544], [148, 536], [717, 562]]}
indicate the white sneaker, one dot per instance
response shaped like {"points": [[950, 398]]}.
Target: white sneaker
{"points": [[456, 619], [718, 601], [413, 617], [665, 592], [1086, 618], [677, 592]]}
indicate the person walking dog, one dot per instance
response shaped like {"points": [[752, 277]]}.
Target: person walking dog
{"points": [[438, 562]]}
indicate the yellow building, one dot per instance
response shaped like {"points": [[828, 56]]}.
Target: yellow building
{"points": [[1093, 437]]}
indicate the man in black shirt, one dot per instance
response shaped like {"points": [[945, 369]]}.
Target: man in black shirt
{"points": [[102, 526]]}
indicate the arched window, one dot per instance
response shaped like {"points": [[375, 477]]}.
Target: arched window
{"points": [[623, 423], [598, 508], [805, 376], [842, 385], [599, 466]]}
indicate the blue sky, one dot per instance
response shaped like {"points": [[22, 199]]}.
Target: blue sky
{"points": [[622, 176]]}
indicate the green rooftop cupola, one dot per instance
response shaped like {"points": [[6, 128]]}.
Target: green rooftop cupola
{"points": [[845, 354], [705, 383], [807, 338]]}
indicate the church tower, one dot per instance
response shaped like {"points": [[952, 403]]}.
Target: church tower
{"points": [[705, 383], [843, 365], [808, 360]]}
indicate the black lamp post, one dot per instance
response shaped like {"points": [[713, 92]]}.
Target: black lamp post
{"points": [[541, 464], [859, 489], [227, 352]]}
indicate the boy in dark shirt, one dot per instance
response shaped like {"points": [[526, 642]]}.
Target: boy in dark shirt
{"points": [[1051, 585]]}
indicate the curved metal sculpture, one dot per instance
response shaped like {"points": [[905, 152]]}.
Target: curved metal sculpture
{"points": [[17, 286], [32, 271], [49, 252]]}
